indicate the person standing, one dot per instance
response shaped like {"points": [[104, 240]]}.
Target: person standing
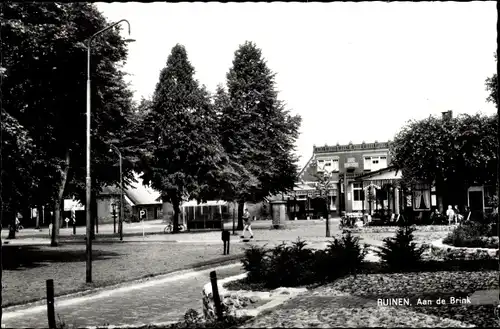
{"points": [[450, 214], [247, 222]]}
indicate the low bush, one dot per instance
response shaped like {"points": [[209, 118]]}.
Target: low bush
{"points": [[401, 253], [256, 263], [192, 319], [290, 266], [473, 235], [296, 265], [346, 253]]}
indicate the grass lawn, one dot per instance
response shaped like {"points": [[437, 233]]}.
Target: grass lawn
{"points": [[27, 267]]}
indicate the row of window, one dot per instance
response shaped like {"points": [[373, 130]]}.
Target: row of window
{"points": [[370, 163]]}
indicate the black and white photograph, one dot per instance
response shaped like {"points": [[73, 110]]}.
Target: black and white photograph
{"points": [[249, 165]]}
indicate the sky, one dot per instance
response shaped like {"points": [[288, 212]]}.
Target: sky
{"points": [[353, 71]]}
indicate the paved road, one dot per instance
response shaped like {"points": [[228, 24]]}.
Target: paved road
{"points": [[155, 301], [155, 226], [305, 229]]}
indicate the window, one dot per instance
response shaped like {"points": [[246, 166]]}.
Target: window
{"points": [[320, 165], [358, 192], [335, 165], [374, 163], [383, 162], [421, 197], [328, 165], [367, 165]]}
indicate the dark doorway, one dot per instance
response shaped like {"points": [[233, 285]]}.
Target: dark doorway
{"points": [[476, 200]]}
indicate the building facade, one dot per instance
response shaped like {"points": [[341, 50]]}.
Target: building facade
{"points": [[362, 180], [343, 164]]}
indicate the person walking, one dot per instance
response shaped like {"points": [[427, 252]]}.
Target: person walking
{"points": [[247, 222]]}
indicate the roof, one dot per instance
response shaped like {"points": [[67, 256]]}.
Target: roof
{"points": [[142, 195], [385, 173], [110, 190], [136, 194], [303, 187]]}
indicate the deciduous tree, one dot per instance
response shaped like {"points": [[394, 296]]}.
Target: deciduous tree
{"points": [[45, 59], [452, 153]]}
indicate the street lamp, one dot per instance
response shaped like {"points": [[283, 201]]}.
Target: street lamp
{"points": [[120, 222], [87, 181]]}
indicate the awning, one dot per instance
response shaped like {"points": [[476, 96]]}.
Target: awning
{"points": [[378, 184], [194, 203]]}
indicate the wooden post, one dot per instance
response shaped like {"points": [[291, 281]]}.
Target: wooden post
{"points": [[50, 304], [216, 296]]}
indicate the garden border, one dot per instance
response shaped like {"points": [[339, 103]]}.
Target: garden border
{"points": [[441, 249], [236, 300], [393, 229]]}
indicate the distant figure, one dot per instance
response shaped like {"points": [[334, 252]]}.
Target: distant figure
{"points": [[458, 216], [435, 216], [50, 229], [247, 221], [18, 222], [450, 214]]}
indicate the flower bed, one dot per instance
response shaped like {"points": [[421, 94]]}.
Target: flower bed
{"points": [[353, 302], [444, 251]]}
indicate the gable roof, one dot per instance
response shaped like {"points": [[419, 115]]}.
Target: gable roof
{"points": [[136, 193], [142, 195]]}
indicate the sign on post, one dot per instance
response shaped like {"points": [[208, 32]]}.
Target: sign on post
{"points": [[67, 221]]}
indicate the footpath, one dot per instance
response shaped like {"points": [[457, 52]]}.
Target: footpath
{"points": [[160, 300]]}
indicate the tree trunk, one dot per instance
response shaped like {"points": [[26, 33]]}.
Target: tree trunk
{"points": [[12, 226], [1, 263], [241, 206], [57, 209], [177, 209], [54, 242], [39, 211]]}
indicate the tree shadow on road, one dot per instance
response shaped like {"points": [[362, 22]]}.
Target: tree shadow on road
{"points": [[25, 257]]}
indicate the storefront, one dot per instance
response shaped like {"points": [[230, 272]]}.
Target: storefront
{"points": [[306, 202]]}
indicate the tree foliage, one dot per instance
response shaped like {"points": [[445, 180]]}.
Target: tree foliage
{"points": [[185, 153], [44, 89], [256, 130], [324, 183], [492, 87], [450, 152]]}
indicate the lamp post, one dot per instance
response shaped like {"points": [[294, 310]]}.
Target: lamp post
{"points": [[88, 179], [120, 221]]}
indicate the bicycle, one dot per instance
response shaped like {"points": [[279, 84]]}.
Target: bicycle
{"points": [[346, 222], [170, 227]]}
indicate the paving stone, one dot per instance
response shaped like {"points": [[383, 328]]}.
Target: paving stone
{"points": [[154, 304]]}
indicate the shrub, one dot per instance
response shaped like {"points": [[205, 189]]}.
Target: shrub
{"points": [[473, 235], [255, 262], [289, 266], [400, 253], [345, 254], [192, 319]]}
